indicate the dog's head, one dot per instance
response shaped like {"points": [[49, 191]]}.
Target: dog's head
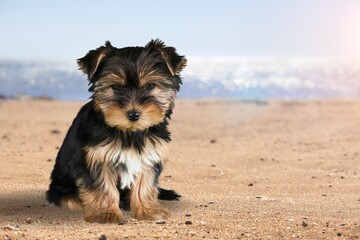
{"points": [[133, 87]]}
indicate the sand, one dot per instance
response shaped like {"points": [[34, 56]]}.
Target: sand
{"points": [[246, 170]]}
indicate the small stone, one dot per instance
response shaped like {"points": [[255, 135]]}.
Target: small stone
{"points": [[213, 141], [28, 220], [102, 237], [339, 234], [160, 222], [188, 222], [258, 197], [304, 224], [250, 184], [55, 131], [211, 202], [167, 176], [262, 159], [188, 214], [213, 165], [49, 160], [342, 177]]}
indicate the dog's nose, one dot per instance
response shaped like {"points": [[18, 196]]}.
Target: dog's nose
{"points": [[133, 115]]}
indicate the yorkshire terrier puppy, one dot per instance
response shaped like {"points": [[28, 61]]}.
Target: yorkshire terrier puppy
{"points": [[114, 151]]}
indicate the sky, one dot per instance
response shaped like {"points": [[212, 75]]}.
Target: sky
{"points": [[67, 29]]}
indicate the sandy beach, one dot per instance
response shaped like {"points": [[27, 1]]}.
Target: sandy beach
{"points": [[245, 169]]}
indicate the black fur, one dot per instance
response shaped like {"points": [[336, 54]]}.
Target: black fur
{"points": [[90, 128]]}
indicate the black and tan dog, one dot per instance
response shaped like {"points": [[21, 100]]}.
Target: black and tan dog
{"points": [[113, 153]]}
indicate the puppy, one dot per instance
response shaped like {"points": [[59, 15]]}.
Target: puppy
{"points": [[114, 151]]}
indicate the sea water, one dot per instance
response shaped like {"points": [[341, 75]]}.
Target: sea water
{"points": [[242, 78]]}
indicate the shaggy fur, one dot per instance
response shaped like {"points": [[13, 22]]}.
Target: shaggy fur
{"points": [[114, 151]]}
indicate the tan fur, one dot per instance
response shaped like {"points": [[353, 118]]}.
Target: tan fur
{"points": [[106, 151], [85, 69], [172, 71], [96, 155], [154, 77], [115, 116], [143, 199], [151, 114], [110, 79], [102, 204], [131, 164], [72, 203]]}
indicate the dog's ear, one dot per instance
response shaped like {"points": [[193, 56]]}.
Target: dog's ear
{"points": [[175, 62], [92, 60]]}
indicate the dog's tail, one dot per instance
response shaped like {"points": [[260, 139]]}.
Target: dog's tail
{"points": [[168, 195], [164, 194]]}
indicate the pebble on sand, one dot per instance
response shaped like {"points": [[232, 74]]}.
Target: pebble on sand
{"points": [[160, 222], [102, 237], [304, 224], [55, 131]]}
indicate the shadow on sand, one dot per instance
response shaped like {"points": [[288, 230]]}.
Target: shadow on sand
{"points": [[18, 207]]}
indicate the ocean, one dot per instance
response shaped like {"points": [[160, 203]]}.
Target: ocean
{"points": [[235, 78]]}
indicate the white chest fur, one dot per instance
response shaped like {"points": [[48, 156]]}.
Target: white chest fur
{"points": [[128, 162]]}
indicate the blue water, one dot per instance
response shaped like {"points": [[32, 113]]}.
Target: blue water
{"points": [[203, 77]]}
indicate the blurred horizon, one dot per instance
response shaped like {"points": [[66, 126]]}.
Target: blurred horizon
{"points": [[237, 78]]}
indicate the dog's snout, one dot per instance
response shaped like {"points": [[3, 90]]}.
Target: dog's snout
{"points": [[133, 115]]}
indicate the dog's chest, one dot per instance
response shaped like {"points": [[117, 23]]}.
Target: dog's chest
{"points": [[128, 162]]}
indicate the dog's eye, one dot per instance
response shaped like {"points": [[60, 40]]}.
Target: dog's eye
{"points": [[116, 87], [150, 86]]}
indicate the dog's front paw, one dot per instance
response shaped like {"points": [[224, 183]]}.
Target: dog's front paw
{"points": [[105, 216], [149, 213]]}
